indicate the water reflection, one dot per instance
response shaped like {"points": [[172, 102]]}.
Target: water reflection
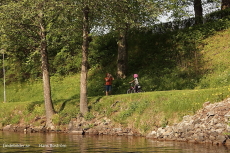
{"points": [[53, 142]]}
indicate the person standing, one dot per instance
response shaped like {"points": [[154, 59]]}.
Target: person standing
{"points": [[108, 83]]}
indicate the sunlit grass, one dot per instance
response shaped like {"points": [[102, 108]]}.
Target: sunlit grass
{"points": [[25, 102], [142, 111], [216, 54], [160, 108]]}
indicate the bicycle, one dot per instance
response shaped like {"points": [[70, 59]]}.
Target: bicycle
{"points": [[132, 89]]}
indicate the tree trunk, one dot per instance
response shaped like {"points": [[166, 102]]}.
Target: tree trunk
{"points": [[46, 79], [122, 55], [84, 65], [225, 4], [198, 11]]}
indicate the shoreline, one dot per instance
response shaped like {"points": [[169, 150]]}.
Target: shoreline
{"points": [[209, 125]]}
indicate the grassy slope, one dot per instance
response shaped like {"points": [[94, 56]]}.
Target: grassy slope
{"points": [[142, 111], [216, 53]]}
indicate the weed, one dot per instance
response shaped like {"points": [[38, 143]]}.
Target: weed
{"points": [[134, 107], [39, 110], [88, 126], [56, 119], [15, 119], [89, 116], [164, 123], [144, 128]]}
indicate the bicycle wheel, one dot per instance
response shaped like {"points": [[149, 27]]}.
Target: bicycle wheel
{"points": [[140, 90], [129, 91]]}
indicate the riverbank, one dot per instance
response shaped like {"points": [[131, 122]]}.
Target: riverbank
{"points": [[209, 125]]}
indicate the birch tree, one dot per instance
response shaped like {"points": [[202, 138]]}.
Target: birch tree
{"points": [[89, 15], [27, 23], [84, 65]]}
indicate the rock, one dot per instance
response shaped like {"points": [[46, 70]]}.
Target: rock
{"points": [[20, 129], [186, 118], [227, 142], [77, 132], [212, 138], [211, 113], [153, 134], [167, 133], [117, 129], [227, 117], [160, 132], [206, 126], [7, 128], [92, 132], [206, 104], [221, 139], [197, 121], [228, 128]]}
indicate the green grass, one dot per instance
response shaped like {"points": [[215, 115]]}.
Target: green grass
{"points": [[11, 112], [25, 101], [62, 89], [216, 54], [142, 111], [145, 111]]}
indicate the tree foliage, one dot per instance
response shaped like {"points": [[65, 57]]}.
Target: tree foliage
{"points": [[123, 15], [29, 23]]}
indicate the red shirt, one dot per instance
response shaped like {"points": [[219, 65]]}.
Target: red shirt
{"points": [[108, 81]]}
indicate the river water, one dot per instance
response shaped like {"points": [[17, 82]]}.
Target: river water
{"points": [[60, 142]]}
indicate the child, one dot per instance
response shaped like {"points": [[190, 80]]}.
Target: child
{"points": [[136, 82]]}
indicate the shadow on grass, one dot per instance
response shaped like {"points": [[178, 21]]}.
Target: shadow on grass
{"points": [[94, 102], [30, 107], [73, 99]]}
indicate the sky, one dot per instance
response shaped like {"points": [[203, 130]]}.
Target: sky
{"points": [[207, 8]]}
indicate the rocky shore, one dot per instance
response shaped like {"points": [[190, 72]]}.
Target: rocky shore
{"points": [[101, 126], [208, 125]]}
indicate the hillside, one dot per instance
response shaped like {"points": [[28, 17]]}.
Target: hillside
{"points": [[173, 60], [216, 54], [186, 77]]}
